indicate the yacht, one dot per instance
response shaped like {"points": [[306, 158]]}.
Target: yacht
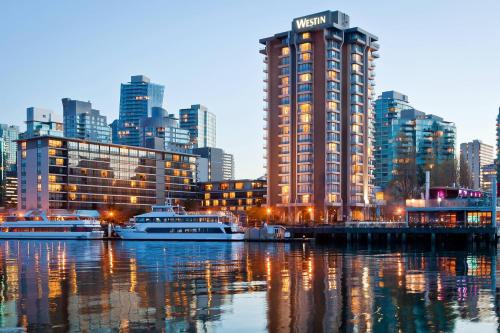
{"points": [[37, 224], [168, 222]]}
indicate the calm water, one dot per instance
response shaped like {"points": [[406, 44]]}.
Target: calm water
{"points": [[236, 287]]}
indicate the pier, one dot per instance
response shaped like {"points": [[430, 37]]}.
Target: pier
{"points": [[370, 232]]}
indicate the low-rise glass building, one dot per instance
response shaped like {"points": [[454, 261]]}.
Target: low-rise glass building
{"points": [[66, 173]]}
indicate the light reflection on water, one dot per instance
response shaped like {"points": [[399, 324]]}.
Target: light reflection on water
{"points": [[228, 287]]}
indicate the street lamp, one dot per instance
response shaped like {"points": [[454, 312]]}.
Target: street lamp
{"points": [[268, 211], [310, 210]]}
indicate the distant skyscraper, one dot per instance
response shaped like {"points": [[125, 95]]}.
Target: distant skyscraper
{"points": [[8, 151], [388, 107], [477, 155], [83, 122], [215, 164], [8, 136], [40, 122], [201, 125], [319, 89], [162, 131], [137, 99]]}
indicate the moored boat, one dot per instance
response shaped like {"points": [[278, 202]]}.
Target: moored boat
{"points": [[168, 222], [37, 224]]}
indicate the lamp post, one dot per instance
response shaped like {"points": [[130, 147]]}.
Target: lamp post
{"points": [[311, 217], [268, 211]]}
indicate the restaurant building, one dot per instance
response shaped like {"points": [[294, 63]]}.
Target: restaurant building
{"points": [[61, 173]]}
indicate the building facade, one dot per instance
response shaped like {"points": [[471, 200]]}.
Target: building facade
{"points": [[8, 149], [237, 196], [75, 174], [40, 122], [488, 171], [201, 125], [137, 98], [319, 80], [388, 107], [498, 147], [214, 164], [477, 155], [162, 131], [84, 123]]}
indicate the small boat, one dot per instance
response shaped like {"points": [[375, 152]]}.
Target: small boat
{"points": [[37, 224], [168, 222]]}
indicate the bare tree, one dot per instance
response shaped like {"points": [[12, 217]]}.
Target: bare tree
{"points": [[464, 174]]}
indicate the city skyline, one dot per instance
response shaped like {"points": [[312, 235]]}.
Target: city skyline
{"points": [[231, 90]]}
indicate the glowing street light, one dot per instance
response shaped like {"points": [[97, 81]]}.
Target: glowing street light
{"points": [[268, 210]]}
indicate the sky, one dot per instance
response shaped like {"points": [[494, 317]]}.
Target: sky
{"points": [[443, 54]]}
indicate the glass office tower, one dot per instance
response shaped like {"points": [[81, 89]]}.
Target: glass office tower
{"points": [[201, 125], [319, 80], [84, 123], [137, 98]]}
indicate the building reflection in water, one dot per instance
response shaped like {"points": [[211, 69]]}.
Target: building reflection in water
{"points": [[207, 287]]}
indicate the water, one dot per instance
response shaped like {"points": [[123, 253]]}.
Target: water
{"points": [[236, 287]]}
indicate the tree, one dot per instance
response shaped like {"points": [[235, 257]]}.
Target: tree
{"points": [[404, 184], [444, 173], [464, 174]]}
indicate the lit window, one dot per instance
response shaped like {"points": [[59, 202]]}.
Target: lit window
{"points": [[306, 77], [207, 195], [55, 143], [52, 152], [284, 81], [133, 200], [285, 51], [306, 35], [305, 108], [59, 161], [305, 47], [232, 195], [332, 75], [238, 186], [249, 194]]}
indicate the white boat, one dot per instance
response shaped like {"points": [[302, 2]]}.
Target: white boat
{"points": [[37, 224], [167, 222]]}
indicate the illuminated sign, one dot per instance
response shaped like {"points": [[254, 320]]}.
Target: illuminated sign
{"points": [[309, 22]]}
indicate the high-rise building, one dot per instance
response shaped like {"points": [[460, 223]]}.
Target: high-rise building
{"points": [[214, 164], [84, 123], [162, 131], [201, 125], [137, 99], [388, 107], [8, 136], [8, 149], [319, 80], [402, 132], [61, 173], [477, 155], [40, 122]]}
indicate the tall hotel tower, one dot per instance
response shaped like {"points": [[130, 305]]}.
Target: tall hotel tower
{"points": [[319, 91]]}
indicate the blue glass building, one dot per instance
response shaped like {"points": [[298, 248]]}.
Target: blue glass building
{"points": [[137, 98], [201, 125], [84, 123], [401, 131]]}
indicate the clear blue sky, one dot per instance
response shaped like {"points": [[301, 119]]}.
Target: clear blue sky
{"points": [[443, 54]]}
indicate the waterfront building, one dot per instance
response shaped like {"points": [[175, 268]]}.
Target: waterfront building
{"points": [[237, 196], [402, 133], [137, 99], [488, 171], [214, 164], [477, 155], [8, 149], [388, 107], [40, 122], [83, 122], [319, 149], [429, 137], [201, 125], [67, 173], [162, 131]]}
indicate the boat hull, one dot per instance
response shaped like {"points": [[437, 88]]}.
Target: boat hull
{"points": [[137, 235], [52, 235]]}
